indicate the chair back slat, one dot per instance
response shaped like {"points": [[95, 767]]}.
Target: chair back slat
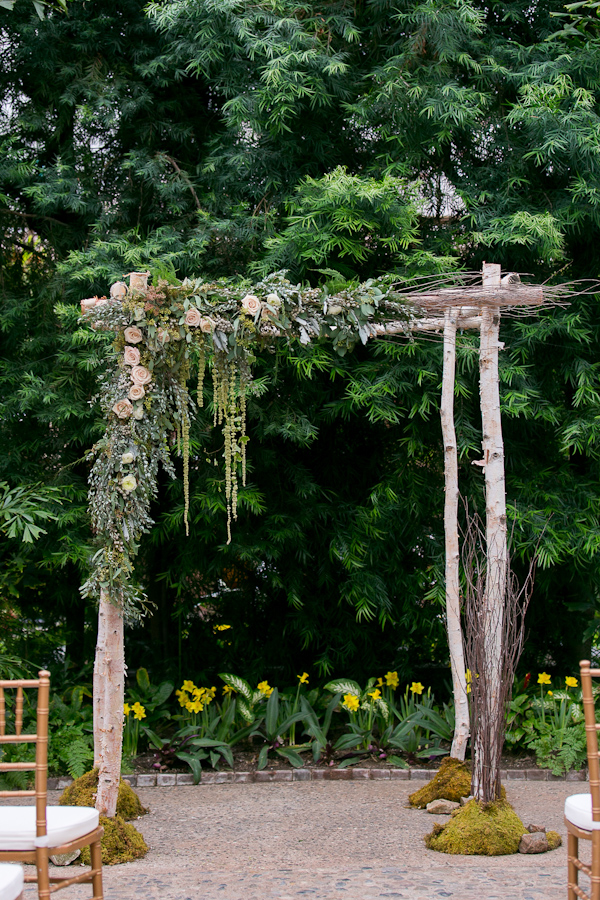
{"points": [[40, 738], [591, 733], [19, 711]]}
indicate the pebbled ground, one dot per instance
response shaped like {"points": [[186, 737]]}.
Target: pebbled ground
{"points": [[322, 841]]}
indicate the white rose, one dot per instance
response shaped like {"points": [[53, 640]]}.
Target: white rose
{"points": [[138, 413], [251, 304], [192, 317], [274, 300], [136, 392], [133, 335], [123, 409], [129, 483], [127, 459], [140, 375], [132, 356]]}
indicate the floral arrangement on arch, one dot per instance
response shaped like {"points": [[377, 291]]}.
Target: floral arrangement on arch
{"points": [[165, 331]]}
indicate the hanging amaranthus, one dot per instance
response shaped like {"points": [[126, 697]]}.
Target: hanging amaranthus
{"points": [[145, 395]]}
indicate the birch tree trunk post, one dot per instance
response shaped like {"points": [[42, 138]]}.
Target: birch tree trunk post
{"points": [[486, 768], [453, 623], [109, 690]]}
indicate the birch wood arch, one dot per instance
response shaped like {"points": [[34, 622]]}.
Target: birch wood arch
{"points": [[163, 332]]}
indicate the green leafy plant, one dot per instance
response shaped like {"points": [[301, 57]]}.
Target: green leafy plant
{"points": [[273, 728]]}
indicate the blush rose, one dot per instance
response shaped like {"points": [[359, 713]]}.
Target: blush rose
{"points": [[140, 375], [192, 318], [132, 356], [251, 304], [133, 335], [123, 409]]}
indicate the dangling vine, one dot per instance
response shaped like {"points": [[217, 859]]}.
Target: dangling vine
{"points": [[160, 331]]}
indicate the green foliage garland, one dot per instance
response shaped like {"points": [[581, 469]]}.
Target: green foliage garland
{"points": [[160, 332]]}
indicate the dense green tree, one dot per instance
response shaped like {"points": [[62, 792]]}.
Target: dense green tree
{"points": [[231, 138]]}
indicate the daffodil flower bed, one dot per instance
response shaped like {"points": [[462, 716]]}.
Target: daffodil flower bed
{"points": [[341, 724]]}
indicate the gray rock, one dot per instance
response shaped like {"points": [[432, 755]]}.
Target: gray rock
{"points": [[534, 843], [532, 829], [65, 859], [465, 800], [441, 807]]}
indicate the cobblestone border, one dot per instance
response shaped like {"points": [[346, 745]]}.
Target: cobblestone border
{"points": [[171, 779]]}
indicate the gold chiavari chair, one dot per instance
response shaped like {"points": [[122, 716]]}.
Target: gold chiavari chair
{"points": [[11, 882], [29, 833], [582, 811]]}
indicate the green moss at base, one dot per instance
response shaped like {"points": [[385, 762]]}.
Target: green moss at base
{"points": [[83, 793], [554, 840], [477, 830], [451, 782], [121, 843]]}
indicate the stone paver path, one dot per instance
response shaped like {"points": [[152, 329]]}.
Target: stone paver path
{"points": [[322, 841]]}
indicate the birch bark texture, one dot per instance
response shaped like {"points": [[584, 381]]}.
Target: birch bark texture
{"points": [[109, 695], [453, 622], [487, 760]]}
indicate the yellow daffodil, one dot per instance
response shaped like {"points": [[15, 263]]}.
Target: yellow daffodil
{"points": [[221, 627], [303, 679], [265, 688], [138, 711], [188, 686], [550, 694], [126, 709], [392, 680], [417, 688], [571, 682], [376, 694], [544, 678], [209, 694], [194, 706], [380, 682], [350, 702], [228, 689], [198, 693], [183, 697]]}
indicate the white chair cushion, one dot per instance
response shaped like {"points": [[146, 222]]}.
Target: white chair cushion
{"points": [[578, 810], [65, 823], [11, 881]]}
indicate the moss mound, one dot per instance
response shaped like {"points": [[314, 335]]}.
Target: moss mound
{"points": [[554, 840], [83, 793], [451, 782], [121, 843], [477, 830]]}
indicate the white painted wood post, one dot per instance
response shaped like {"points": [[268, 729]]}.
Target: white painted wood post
{"points": [[453, 624], [495, 507], [109, 691]]}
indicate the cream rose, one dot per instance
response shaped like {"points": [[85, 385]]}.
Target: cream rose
{"points": [[138, 413], [129, 483], [127, 459], [136, 392], [140, 375], [274, 300], [118, 290], [123, 409], [193, 318], [133, 335], [132, 356], [206, 325], [251, 304]]}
